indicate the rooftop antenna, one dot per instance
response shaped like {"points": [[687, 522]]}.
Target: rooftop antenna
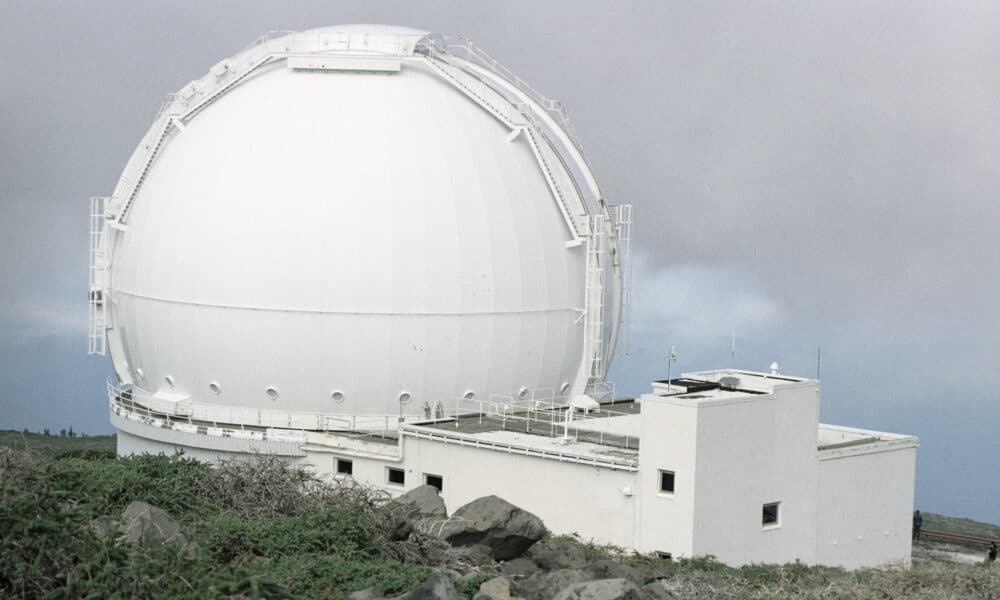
{"points": [[671, 359], [819, 349]]}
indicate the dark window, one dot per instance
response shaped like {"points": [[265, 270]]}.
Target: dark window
{"points": [[770, 514], [397, 476], [435, 480], [667, 482], [345, 467]]}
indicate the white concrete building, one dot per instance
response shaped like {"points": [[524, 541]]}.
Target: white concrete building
{"points": [[377, 251], [729, 463]]}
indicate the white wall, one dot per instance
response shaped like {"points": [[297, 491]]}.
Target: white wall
{"points": [[568, 497], [865, 508], [668, 438], [749, 453]]}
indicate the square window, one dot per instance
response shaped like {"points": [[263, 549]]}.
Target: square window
{"points": [[770, 515], [396, 476], [435, 481], [345, 467], [667, 482]]}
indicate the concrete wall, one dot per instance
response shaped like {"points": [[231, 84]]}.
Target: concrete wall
{"points": [[753, 451], [865, 509], [568, 497], [668, 437]]}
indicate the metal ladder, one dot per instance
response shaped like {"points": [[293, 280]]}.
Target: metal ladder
{"points": [[594, 290], [623, 223], [97, 341]]}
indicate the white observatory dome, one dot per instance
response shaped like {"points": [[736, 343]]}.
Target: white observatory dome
{"points": [[356, 222]]}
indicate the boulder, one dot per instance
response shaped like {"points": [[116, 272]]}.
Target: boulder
{"points": [[492, 521], [437, 587], [148, 526], [559, 553], [423, 502], [639, 574], [497, 588], [519, 568], [544, 586], [601, 589], [104, 528], [656, 590], [372, 593]]}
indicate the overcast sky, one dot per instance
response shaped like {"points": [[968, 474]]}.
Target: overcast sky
{"points": [[816, 173]]}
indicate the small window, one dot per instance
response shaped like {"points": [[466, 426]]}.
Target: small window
{"points": [[667, 482], [345, 467], [434, 481], [770, 516], [397, 476]]}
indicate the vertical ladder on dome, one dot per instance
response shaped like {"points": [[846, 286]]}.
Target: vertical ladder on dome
{"points": [[623, 218], [594, 290], [98, 276]]}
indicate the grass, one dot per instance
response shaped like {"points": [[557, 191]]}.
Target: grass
{"points": [[254, 544], [55, 444], [960, 525]]}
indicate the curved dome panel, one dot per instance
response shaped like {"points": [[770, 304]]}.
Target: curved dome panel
{"points": [[326, 241]]}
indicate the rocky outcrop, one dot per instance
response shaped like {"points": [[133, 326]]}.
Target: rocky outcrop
{"points": [[497, 588], [423, 502], [601, 589], [495, 523], [544, 586], [559, 553], [437, 587]]}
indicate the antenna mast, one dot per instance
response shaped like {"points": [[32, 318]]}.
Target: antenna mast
{"points": [[671, 359]]}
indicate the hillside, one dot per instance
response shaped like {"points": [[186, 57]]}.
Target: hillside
{"points": [[56, 444], [263, 530]]}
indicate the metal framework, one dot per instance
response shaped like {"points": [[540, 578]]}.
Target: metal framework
{"points": [[97, 340]]}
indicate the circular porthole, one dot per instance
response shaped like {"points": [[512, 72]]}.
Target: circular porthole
{"points": [[405, 397], [522, 393], [337, 396], [564, 387], [470, 395], [139, 375], [170, 380], [215, 387], [272, 392]]}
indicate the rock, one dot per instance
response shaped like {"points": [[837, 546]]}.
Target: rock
{"points": [[657, 591], [559, 553], [497, 588], [372, 593], [477, 555], [519, 568], [104, 528], [601, 589], [618, 569], [543, 586], [437, 587], [149, 526], [492, 521], [423, 502]]}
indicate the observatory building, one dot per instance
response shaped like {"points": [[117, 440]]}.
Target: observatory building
{"points": [[378, 252]]}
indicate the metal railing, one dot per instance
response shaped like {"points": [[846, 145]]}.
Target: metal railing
{"points": [[551, 417]]}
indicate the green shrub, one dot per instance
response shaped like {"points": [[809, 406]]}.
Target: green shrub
{"points": [[336, 532]]}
